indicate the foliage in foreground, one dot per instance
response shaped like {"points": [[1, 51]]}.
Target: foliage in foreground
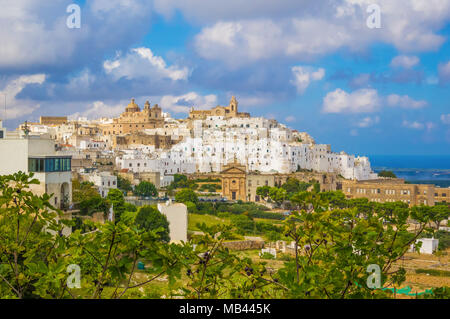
{"points": [[336, 241]]}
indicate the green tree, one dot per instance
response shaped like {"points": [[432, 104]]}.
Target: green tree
{"points": [[145, 189], [149, 218], [191, 207], [30, 246], [335, 247], [278, 195], [263, 191], [88, 199], [82, 191], [439, 213], [389, 174], [116, 198], [293, 185], [186, 195], [124, 184]]}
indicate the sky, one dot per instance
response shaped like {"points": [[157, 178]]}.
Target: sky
{"points": [[365, 83]]}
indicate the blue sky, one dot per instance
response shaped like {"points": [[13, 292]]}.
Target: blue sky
{"points": [[315, 67]]}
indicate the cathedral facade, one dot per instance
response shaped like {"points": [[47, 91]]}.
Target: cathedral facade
{"points": [[135, 120]]}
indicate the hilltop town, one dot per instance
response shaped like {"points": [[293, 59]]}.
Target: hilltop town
{"points": [[223, 168], [241, 151]]}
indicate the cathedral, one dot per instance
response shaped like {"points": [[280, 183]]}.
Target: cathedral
{"points": [[135, 120], [225, 111]]}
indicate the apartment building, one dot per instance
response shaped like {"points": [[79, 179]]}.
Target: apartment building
{"points": [[390, 190]]}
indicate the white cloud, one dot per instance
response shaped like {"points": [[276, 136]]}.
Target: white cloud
{"points": [[37, 34], [20, 107], [444, 72], [241, 42], [405, 101], [366, 101], [142, 63], [410, 26], [445, 118], [290, 119], [183, 103], [416, 125], [368, 121], [99, 109], [405, 61], [413, 125], [359, 101], [303, 76]]}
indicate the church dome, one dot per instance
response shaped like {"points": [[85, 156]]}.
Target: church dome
{"points": [[132, 107]]}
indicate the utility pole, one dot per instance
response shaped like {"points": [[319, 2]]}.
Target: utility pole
{"points": [[4, 119]]}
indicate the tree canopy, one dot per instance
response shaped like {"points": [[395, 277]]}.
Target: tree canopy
{"points": [[186, 195], [389, 174], [335, 242], [149, 218], [145, 189]]}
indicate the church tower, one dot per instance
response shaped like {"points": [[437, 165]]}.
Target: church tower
{"points": [[233, 107]]}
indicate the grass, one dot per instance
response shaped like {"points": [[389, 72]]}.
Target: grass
{"points": [[209, 220], [433, 272]]}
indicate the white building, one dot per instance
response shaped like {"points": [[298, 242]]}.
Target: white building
{"points": [[36, 153], [177, 216], [104, 181], [429, 245], [206, 145]]}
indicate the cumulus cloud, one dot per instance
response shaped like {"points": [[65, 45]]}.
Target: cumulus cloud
{"points": [[444, 72], [445, 118], [17, 107], [368, 121], [183, 103], [366, 101], [241, 42], [405, 61], [413, 125], [405, 101], [410, 26], [303, 76], [38, 37], [416, 125], [142, 63], [99, 109], [359, 101]]}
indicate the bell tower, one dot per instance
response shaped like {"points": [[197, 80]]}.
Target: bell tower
{"points": [[233, 107]]}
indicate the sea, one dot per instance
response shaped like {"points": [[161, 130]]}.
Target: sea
{"points": [[417, 169]]}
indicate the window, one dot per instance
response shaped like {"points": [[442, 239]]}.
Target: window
{"points": [[49, 165]]}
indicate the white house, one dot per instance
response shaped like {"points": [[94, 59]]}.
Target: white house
{"points": [[104, 181]]}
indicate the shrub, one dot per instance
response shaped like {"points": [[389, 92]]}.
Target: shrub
{"points": [[149, 218], [186, 195]]}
